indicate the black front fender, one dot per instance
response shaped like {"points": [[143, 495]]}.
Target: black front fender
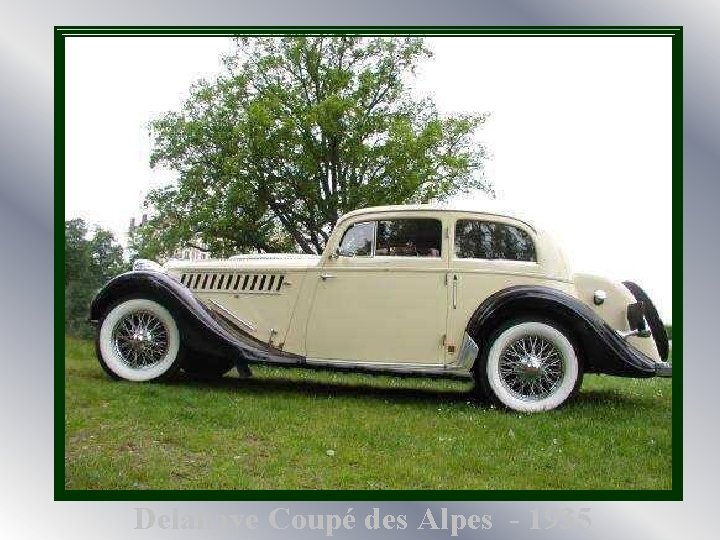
{"points": [[602, 349], [201, 330]]}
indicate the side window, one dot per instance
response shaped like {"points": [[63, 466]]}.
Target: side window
{"points": [[491, 240], [409, 238], [357, 240]]}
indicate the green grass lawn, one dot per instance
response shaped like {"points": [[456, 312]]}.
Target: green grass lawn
{"points": [[301, 429]]}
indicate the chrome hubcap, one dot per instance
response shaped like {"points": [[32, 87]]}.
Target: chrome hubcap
{"points": [[140, 339], [531, 367]]}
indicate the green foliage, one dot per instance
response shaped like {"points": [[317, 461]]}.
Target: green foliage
{"points": [[296, 132], [90, 261], [668, 330], [274, 431]]}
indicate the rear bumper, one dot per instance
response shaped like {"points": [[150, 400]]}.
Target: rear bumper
{"points": [[635, 363], [663, 369], [638, 323], [638, 364]]}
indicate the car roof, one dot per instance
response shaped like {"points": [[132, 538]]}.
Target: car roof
{"points": [[487, 207]]}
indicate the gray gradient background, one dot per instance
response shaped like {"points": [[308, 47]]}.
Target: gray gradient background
{"points": [[26, 284]]}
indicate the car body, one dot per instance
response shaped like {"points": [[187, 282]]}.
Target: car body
{"points": [[432, 290]]}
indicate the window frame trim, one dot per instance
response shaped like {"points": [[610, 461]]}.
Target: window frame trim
{"points": [[372, 243], [518, 225], [378, 219], [416, 218]]}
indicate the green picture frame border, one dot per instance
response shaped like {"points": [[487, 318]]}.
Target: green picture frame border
{"points": [[673, 494]]}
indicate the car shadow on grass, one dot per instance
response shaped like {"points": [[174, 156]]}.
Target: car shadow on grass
{"points": [[613, 398], [275, 385]]}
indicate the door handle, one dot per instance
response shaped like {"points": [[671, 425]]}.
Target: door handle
{"points": [[325, 277], [454, 291]]}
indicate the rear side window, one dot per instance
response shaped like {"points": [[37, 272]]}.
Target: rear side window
{"points": [[476, 239], [409, 238]]}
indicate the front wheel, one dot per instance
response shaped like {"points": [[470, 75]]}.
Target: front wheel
{"points": [[531, 366], [138, 340]]}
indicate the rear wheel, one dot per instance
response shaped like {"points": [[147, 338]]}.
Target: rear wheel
{"points": [[138, 340], [530, 366]]}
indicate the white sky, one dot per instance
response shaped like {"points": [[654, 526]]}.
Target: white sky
{"points": [[580, 134]]}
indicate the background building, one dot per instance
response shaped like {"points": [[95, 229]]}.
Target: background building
{"points": [[186, 253]]}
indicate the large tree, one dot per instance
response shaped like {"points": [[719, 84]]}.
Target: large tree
{"points": [[91, 259], [295, 132]]}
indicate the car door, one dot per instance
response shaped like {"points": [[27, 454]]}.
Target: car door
{"points": [[490, 253], [382, 297]]}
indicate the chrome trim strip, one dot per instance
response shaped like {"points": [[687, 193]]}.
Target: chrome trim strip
{"points": [[385, 268], [238, 292], [231, 315], [503, 271], [393, 367], [407, 268], [388, 367], [378, 365]]}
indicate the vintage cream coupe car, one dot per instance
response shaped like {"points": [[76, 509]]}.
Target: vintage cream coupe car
{"points": [[436, 291]]}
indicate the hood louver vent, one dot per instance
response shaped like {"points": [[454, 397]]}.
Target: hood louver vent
{"points": [[233, 282]]}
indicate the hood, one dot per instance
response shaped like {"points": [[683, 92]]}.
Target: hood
{"points": [[252, 261]]}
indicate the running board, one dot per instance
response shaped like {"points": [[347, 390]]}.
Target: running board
{"points": [[376, 368]]}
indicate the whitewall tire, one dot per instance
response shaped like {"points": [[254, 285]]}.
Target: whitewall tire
{"points": [[138, 340], [531, 366]]}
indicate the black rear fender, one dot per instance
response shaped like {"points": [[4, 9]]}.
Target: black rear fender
{"points": [[600, 347]]}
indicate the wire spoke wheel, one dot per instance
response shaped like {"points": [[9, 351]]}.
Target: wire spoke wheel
{"points": [[531, 367], [140, 339]]}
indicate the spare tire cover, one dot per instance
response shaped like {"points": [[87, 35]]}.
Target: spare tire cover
{"points": [[657, 328]]}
